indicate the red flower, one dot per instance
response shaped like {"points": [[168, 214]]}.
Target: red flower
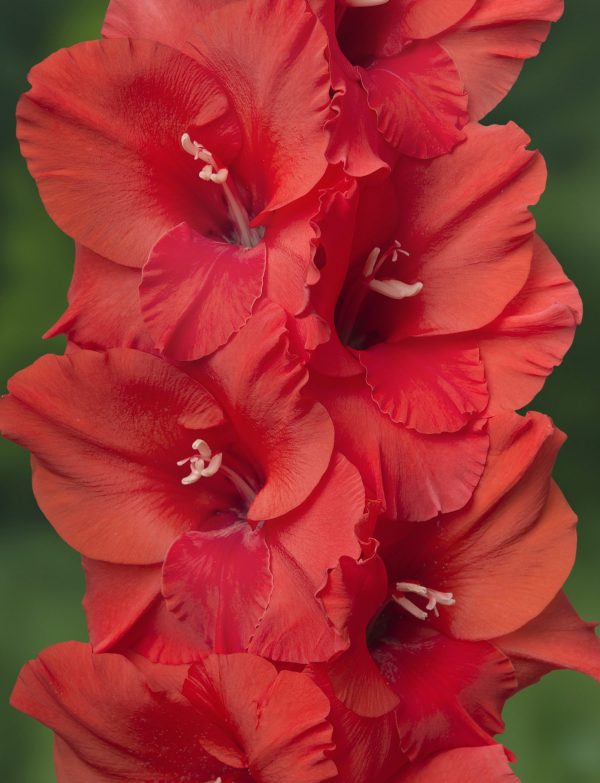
{"points": [[139, 465], [195, 146], [447, 306], [232, 718], [409, 74], [425, 671]]}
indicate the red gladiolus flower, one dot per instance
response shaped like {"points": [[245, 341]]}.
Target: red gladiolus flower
{"points": [[320, 545], [194, 150], [217, 504], [448, 308], [423, 673], [408, 74], [232, 719]]}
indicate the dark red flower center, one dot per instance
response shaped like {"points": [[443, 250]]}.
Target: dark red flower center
{"points": [[229, 472]]}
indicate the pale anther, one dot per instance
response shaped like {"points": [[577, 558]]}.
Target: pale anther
{"points": [[203, 465], [395, 289], [434, 597], [212, 173]]}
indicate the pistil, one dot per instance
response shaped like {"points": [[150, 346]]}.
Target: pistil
{"points": [[211, 172], [434, 597]]}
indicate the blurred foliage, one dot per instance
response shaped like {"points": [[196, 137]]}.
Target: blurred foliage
{"points": [[554, 727]]}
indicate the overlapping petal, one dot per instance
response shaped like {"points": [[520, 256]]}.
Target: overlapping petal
{"points": [[231, 715], [416, 476], [517, 520]]}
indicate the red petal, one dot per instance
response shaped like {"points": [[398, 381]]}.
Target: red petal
{"points": [[196, 292], [104, 307], [252, 716], [270, 57], [219, 583], [107, 159], [521, 347], [89, 701], [110, 618], [416, 475], [305, 545], [461, 765], [419, 100], [290, 238], [518, 523], [105, 433], [355, 141], [491, 43], [468, 230], [259, 383], [354, 593], [429, 384], [556, 639], [451, 692]]}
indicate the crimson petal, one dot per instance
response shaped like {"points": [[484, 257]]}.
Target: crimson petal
{"points": [[428, 384], [259, 383], [417, 476], [89, 701], [196, 292], [419, 100], [219, 583], [304, 546], [273, 723]]}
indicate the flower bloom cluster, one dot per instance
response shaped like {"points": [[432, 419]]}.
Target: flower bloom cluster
{"points": [[308, 298]]}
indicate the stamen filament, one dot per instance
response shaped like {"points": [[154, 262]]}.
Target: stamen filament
{"points": [[240, 484], [211, 172], [434, 597]]}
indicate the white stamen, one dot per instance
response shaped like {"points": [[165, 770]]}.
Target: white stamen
{"points": [[198, 467], [411, 608], [395, 289], [249, 237], [434, 597]]}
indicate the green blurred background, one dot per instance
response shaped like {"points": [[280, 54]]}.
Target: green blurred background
{"points": [[554, 727]]}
